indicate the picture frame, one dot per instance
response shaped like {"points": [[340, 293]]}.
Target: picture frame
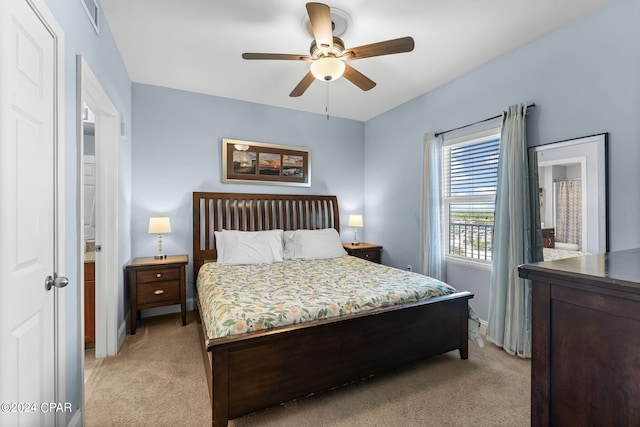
{"points": [[249, 162]]}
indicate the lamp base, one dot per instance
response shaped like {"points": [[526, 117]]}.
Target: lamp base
{"points": [[355, 243], [160, 256]]}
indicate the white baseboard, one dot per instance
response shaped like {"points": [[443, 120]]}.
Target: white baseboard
{"points": [[76, 420], [483, 327], [122, 331]]}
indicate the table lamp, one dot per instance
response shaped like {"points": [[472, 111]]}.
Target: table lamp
{"points": [[355, 221], [159, 225]]}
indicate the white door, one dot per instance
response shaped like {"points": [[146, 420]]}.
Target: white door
{"points": [[28, 138]]}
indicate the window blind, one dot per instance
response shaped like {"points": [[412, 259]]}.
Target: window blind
{"points": [[472, 169]]}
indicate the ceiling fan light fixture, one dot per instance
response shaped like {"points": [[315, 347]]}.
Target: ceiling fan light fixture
{"points": [[327, 68]]}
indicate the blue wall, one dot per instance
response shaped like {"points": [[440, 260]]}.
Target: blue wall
{"points": [[584, 80], [178, 145], [102, 55]]}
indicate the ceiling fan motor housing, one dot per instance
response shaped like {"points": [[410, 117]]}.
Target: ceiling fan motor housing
{"points": [[337, 51]]}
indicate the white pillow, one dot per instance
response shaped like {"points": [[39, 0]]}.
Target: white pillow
{"points": [[249, 247], [317, 244]]}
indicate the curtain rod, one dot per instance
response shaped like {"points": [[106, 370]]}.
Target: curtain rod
{"points": [[479, 121]]}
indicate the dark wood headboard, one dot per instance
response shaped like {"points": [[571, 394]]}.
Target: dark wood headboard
{"points": [[255, 212]]}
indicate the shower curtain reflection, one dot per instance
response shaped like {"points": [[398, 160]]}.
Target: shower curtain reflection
{"points": [[569, 213]]}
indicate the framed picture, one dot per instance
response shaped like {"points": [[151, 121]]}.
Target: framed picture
{"points": [[261, 163]]}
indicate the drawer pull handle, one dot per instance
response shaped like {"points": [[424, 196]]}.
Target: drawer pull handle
{"points": [[158, 292], [366, 255], [159, 275]]}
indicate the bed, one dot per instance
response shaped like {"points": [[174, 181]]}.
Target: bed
{"points": [[556, 253], [255, 365]]}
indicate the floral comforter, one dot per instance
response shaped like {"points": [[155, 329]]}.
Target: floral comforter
{"points": [[236, 299]]}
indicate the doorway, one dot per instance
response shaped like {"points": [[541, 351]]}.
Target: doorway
{"points": [[97, 231], [88, 238]]}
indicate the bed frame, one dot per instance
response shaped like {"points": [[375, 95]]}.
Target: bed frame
{"points": [[257, 370]]}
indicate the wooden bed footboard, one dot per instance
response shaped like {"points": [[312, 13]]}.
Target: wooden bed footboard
{"points": [[258, 370]]}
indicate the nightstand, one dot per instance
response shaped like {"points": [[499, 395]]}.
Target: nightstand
{"points": [[156, 283], [364, 250]]}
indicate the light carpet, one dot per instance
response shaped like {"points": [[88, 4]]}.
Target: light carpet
{"points": [[158, 379]]}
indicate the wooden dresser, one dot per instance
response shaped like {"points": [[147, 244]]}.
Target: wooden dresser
{"points": [[586, 340], [549, 237]]}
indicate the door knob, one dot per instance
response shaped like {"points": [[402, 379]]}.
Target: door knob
{"points": [[58, 282]]}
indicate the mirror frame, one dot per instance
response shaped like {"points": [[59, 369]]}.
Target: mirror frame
{"points": [[594, 149]]}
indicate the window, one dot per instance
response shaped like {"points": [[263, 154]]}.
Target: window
{"points": [[470, 177]]}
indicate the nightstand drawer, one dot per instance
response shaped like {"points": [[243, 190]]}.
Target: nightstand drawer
{"points": [[365, 251], [369, 254], [150, 293], [157, 275]]}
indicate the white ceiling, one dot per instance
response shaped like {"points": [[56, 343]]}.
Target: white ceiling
{"points": [[196, 45]]}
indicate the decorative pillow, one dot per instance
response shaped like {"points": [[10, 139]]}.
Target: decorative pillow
{"points": [[249, 247], [316, 244]]}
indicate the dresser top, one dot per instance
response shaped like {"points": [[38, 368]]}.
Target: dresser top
{"points": [[621, 268]]}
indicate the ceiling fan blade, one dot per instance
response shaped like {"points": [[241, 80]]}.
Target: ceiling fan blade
{"points": [[320, 19], [277, 56], [404, 44], [357, 78], [303, 85]]}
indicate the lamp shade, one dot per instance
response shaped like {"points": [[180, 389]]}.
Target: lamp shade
{"points": [[159, 225], [327, 68], [355, 221]]}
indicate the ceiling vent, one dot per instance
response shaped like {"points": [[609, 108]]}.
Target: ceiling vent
{"points": [[93, 10]]}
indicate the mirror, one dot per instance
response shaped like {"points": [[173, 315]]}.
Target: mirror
{"points": [[572, 196]]}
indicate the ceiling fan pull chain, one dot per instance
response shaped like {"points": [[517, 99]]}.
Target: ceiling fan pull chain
{"points": [[326, 99]]}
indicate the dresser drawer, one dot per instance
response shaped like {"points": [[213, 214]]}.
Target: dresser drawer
{"points": [[151, 293], [157, 275]]}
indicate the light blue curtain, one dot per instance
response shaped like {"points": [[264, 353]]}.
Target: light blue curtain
{"points": [[510, 296], [433, 263]]}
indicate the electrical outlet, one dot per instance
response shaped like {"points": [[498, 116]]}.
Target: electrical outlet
{"points": [[409, 267]]}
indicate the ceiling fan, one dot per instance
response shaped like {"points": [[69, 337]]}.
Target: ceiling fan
{"points": [[328, 55]]}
